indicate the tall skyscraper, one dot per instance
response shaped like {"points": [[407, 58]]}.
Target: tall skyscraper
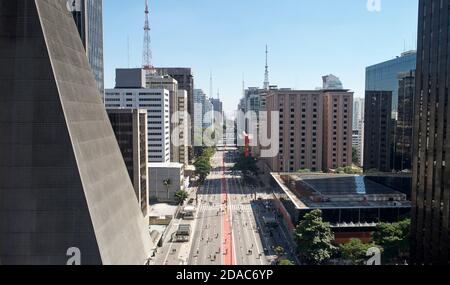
{"points": [[130, 128], [88, 16], [384, 77], [63, 181], [431, 172], [204, 110], [130, 93], [358, 112], [315, 129], [358, 129], [337, 128], [183, 153], [217, 105], [377, 128], [155, 81], [404, 129], [185, 80], [300, 129]]}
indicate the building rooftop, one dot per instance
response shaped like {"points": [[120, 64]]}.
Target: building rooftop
{"points": [[165, 165], [162, 210], [333, 191], [344, 185]]}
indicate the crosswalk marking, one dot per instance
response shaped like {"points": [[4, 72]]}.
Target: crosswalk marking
{"points": [[245, 208]]}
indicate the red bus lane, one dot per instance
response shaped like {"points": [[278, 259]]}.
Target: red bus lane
{"points": [[226, 222]]}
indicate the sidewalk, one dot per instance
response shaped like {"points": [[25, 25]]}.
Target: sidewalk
{"points": [[185, 249]]}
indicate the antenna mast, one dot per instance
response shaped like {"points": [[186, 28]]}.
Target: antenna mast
{"points": [[147, 51], [211, 91], [266, 78]]}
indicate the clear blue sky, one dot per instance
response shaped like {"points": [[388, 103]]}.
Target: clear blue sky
{"points": [[306, 38]]}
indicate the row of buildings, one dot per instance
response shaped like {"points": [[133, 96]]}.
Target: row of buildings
{"points": [[314, 127], [158, 96], [80, 166], [401, 135], [205, 109], [68, 196], [398, 132]]}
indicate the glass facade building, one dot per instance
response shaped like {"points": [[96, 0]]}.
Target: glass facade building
{"points": [[430, 232], [88, 16], [383, 78]]}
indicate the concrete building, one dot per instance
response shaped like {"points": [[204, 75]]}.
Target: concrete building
{"points": [[130, 128], [154, 81], [185, 79], [358, 112], [300, 129], [88, 16], [166, 179], [204, 114], [217, 105], [156, 102], [183, 156], [337, 129], [63, 181], [377, 135], [358, 145], [358, 128], [252, 105], [314, 129], [130, 78], [353, 205], [430, 243], [199, 99]]}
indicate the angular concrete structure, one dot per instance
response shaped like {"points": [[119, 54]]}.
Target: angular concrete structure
{"points": [[63, 181]]}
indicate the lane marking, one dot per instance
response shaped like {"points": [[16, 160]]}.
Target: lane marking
{"points": [[253, 231]]}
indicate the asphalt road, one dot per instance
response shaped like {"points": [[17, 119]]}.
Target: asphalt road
{"points": [[229, 227], [207, 239]]}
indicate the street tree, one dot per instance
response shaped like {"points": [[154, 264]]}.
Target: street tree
{"points": [[181, 196], [394, 239], [355, 251], [314, 239]]}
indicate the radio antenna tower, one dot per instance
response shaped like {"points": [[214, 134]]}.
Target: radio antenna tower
{"points": [[211, 91], [147, 51], [266, 78]]}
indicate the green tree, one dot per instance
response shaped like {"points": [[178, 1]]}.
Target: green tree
{"points": [[355, 251], [314, 239], [203, 163], [202, 168], [181, 196], [349, 170], [279, 250], [285, 262], [247, 165], [394, 239]]}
